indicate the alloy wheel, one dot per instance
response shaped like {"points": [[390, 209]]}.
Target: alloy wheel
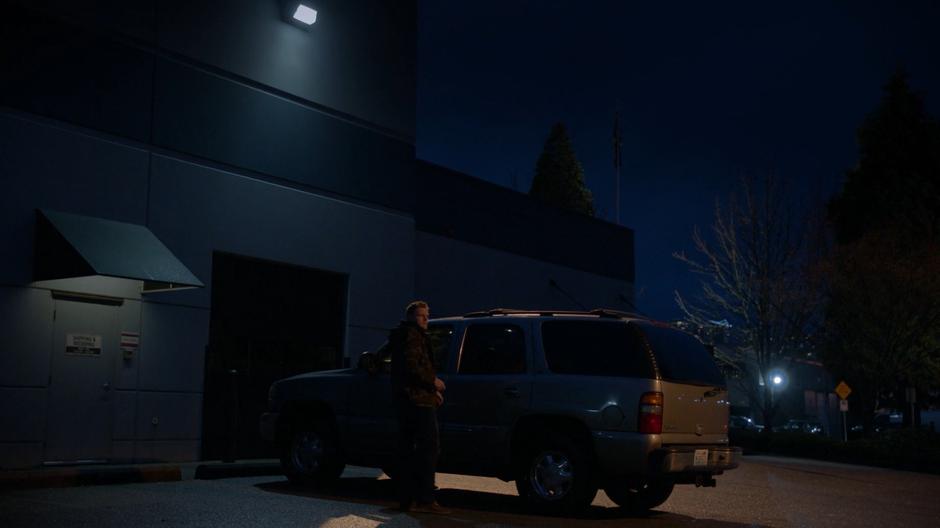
{"points": [[307, 452], [551, 475]]}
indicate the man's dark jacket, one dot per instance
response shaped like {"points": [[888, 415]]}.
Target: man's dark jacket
{"points": [[413, 372]]}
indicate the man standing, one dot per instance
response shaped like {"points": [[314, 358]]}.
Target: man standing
{"points": [[418, 392]]}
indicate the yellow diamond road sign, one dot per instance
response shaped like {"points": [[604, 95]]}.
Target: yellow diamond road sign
{"points": [[843, 390]]}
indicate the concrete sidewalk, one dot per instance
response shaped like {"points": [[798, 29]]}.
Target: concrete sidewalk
{"points": [[91, 475]]}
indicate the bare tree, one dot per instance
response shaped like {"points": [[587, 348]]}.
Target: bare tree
{"points": [[754, 276]]}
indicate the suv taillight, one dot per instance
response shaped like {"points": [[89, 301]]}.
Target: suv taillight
{"points": [[651, 413]]}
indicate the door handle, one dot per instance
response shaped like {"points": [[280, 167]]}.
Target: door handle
{"points": [[106, 386], [511, 392]]}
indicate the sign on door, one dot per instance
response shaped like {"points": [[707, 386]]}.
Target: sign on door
{"points": [[83, 345]]}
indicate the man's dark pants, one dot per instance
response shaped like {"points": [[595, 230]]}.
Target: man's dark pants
{"points": [[418, 449]]}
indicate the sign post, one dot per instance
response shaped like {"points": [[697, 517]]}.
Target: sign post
{"points": [[910, 394], [843, 390], [844, 407]]}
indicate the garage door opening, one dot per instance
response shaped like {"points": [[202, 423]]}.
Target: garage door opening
{"points": [[269, 320]]}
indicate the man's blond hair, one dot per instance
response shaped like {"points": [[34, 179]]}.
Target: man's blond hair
{"points": [[413, 307]]}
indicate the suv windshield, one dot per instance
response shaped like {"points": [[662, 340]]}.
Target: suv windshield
{"points": [[595, 348], [681, 357]]}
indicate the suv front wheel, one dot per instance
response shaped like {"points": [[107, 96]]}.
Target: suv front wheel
{"points": [[640, 497], [556, 475], [310, 455]]}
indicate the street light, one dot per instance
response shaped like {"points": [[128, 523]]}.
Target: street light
{"points": [[778, 380]]}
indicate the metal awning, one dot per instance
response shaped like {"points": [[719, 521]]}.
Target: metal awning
{"points": [[70, 245]]}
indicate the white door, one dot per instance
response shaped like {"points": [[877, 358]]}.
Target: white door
{"points": [[80, 387]]}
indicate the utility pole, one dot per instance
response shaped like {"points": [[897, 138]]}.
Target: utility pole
{"points": [[617, 144]]}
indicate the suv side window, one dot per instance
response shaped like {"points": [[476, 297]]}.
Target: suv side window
{"points": [[595, 348], [442, 341], [493, 349]]}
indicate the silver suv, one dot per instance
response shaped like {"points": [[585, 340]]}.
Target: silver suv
{"points": [[563, 403]]}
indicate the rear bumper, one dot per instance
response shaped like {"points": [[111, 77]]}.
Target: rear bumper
{"points": [[267, 426], [695, 459], [622, 454]]}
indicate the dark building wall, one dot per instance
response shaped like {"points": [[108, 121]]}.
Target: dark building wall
{"points": [[195, 210], [482, 246], [221, 128], [458, 277], [230, 83], [358, 59], [47, 166], [458, 206]]}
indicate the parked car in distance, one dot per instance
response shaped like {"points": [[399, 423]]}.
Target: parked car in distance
{"points": [[745, 423], [802, 426], [563, 403], [888, 421]]}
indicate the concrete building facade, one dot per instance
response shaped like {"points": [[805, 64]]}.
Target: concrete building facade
{"points": [[276, 167]]}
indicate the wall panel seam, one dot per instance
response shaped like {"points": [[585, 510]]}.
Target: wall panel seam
{"points": [[199, 161], [209, 69]]}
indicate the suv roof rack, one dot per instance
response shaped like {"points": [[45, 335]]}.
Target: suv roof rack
{"points": [[600, 312]]}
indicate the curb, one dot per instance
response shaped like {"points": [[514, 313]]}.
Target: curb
{"points": [[141, 473], [88, 476]]}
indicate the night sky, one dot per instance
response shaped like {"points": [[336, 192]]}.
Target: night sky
{"points": [[708, 91]]}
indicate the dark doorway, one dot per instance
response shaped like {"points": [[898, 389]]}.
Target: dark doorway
{"points": [[269, 320]]}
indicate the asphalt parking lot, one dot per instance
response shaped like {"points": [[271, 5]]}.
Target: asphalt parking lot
{"points": [[764, 491]]}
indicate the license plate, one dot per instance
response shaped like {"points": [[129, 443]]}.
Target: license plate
{"points": [[701, 457]]}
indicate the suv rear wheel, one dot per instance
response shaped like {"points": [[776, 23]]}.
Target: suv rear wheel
{"points": [[310, 455], [556, 475], [640, 497]]}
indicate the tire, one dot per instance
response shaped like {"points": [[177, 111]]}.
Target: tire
{"points": [[310, 455], [640, 497], [556, 475]]}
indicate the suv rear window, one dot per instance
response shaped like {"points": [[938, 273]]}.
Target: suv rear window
{"points": [[595, 348], [682, 358]]}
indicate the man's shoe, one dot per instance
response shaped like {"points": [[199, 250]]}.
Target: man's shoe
{"points": [[431, 507]]}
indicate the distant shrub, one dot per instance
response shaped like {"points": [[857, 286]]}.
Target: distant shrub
{"points": [[899, 449]]}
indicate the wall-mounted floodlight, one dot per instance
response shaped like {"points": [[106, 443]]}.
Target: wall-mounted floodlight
{"points": [[306, 15], [299, 13]]}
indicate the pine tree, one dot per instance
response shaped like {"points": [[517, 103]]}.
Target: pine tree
{"points": [[559, 178], [883, 316], [896, 183]]}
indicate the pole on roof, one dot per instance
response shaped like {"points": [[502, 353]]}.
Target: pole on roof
{"points": [[617, 143]]}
